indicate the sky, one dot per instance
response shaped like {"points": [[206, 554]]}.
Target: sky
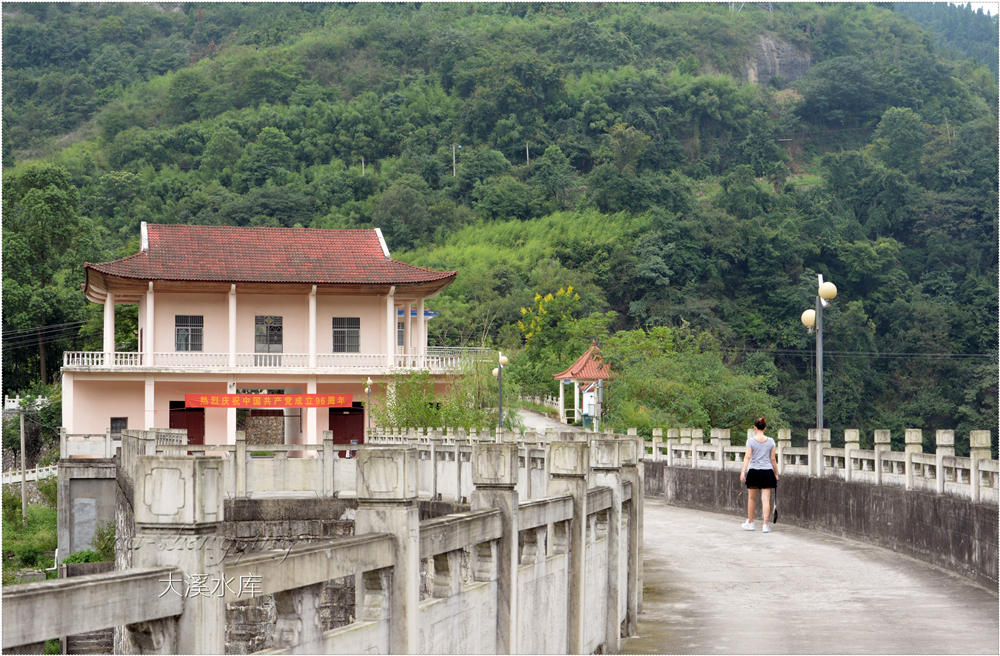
{"points": [[991, 8]]}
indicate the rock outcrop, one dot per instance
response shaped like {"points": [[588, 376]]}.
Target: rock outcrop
{"points": [[776, 58]]}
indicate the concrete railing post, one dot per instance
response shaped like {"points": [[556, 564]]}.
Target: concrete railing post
{"points": [[108, 451], [179, 500], [784, 442], [435, 445], [944, 442], [62, 443], [605, 471], [568, 471], [673, 439], [387, 503], [720, 440], [824, 443], [240, 464], [852, 443], [327, 465], [298, 626], [657, 443], [494, 475], [815, 468], [979, 449], [632, 474], [685, 442], [883, 442], [913, 440], [697, 439]]}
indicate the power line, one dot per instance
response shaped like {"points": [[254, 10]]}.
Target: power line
{"points": [[15, 333], [872, 354]]}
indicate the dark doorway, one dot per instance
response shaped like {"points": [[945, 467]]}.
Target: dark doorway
{"points": [[193, 419], [348, 426]]}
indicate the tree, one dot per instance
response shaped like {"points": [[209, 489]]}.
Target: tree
{"points": [[268, 158], [40, 227], [553, 172], [671, 378], [504, 198], [223, 150], [625, 146], [401, 213], [899, 139], [759, 149]]}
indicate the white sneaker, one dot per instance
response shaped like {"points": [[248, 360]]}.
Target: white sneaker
{"points": [[767, 529], [748, 526]]}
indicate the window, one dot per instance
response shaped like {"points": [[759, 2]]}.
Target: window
{"points": [[118, 424], [346, 334], [400, 334], [267, 334], [188, 332]]}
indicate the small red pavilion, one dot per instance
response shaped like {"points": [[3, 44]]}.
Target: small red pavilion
{"points": [[587, 369]]}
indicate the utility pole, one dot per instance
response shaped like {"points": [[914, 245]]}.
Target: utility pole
{"points": [[527, 154], [453, 168], [362, 166], [24, 474]]}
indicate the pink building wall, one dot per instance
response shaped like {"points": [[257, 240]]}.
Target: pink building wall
{"points": [[92, 411], [215, 309]]}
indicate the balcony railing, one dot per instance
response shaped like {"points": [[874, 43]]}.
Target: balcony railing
{"points": [[437, 358]]}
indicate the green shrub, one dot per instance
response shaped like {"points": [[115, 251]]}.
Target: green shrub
{"points": [[27, 545], [27, 554], [104, 541], [85, 556], [11, 504], [49, 489]]}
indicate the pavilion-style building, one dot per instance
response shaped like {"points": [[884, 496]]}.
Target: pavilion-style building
{"points": [[226, 313], [588, 369]]}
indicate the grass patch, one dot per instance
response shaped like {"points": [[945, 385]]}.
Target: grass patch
{"points": [[537, 407], [261, 454], [27, 545]]}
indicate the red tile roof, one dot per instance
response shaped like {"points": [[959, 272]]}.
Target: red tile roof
{"points": [[294, 255], [588, 367]]}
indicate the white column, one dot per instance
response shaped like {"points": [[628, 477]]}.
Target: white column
{"points": [[312, 329], [408, 329], [562, 403], [576, 400], [67, 403], [232, 332], [109, 328], [390, 317], [150, 322], [149, 414], [421, 331]]}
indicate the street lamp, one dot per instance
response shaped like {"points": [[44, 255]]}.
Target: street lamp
{"points": [[813, 319], [498, 374]]}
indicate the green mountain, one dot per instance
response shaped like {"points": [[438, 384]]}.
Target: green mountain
{"points": [[683, 165]]}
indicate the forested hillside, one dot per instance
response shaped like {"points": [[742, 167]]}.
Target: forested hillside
{"points": [[621, 149]]}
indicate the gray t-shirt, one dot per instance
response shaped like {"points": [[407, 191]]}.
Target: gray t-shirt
{"points": [[760, 453]]}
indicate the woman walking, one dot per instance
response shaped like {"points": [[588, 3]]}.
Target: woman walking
{"points": [[760, 472]]}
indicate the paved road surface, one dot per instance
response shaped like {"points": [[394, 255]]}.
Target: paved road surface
{"points": [[712, 588], [540, 422]]}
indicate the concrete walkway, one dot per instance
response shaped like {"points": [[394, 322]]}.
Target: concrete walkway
{"points": [[540, 422], [712, 588]]}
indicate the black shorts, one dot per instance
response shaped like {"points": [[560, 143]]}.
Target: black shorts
{"points": [[761, 479]]}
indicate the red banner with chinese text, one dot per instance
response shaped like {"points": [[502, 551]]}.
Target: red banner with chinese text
{"points": [[268, 400]]}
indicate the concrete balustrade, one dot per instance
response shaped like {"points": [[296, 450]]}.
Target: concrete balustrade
{"points": [[506, 577], [973, 477]]}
